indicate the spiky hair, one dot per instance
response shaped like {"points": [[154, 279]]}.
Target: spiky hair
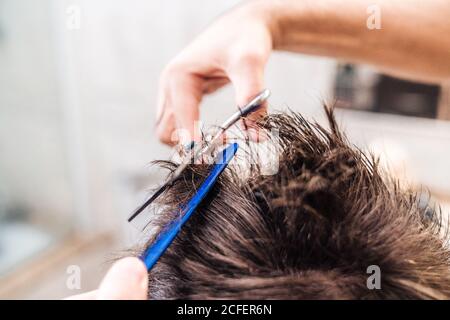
{"points": [[309, 231]]}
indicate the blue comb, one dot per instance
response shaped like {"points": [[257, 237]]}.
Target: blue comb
{"points": [[168, 234]]}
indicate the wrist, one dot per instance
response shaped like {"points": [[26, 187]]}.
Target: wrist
{"points": [[268, 13], [286, 21]]}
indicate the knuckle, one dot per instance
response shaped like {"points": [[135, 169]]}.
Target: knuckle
{"points": [[172, 75], [249, 59], [173, 69]]}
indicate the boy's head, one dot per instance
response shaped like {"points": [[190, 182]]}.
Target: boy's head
{"points": [[313, 230]]}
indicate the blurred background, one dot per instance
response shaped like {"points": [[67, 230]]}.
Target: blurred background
{"points": [[78, 83]]}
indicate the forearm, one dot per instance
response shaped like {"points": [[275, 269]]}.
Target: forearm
{"points": [[413, 42]]}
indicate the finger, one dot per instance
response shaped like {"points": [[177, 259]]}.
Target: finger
{"points": [[248, 81], [180, 93], [186, 92], [247, 77], [165, 128], [127, 279], [165, 122], [161, 102]]}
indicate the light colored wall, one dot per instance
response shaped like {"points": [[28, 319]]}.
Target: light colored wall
{"points": [[119, 52], [32, 155], [96, 88]]}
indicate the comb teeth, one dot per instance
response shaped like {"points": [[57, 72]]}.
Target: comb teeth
{"points": [[148, 202], [168, 234]]}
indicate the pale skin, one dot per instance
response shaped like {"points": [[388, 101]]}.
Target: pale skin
{"points": [[127, 279], [414, 43]]}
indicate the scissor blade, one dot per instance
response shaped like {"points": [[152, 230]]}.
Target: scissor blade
{"points": [[198, 151], [149, 201]]}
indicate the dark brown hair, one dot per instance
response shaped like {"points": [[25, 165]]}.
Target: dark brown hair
{"points": [[309, 231]]}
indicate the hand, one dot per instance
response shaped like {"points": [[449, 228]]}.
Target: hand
{"points": [[233, 49], [127, 279]]}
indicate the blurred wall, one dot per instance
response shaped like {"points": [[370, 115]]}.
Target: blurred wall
{"points": [[79, 99], [33, 159], [115, 59]]}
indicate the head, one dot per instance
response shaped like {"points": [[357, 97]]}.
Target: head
{"points": [[318, 228]]}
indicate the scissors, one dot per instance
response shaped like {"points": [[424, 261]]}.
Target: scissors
{"points": [[165, 237], [199, 152]]}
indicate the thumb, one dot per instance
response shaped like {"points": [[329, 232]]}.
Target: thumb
{"points": [[126, 280]]}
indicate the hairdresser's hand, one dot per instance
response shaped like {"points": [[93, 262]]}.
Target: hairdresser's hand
{"points": [[235, 49], [126, 280]]}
